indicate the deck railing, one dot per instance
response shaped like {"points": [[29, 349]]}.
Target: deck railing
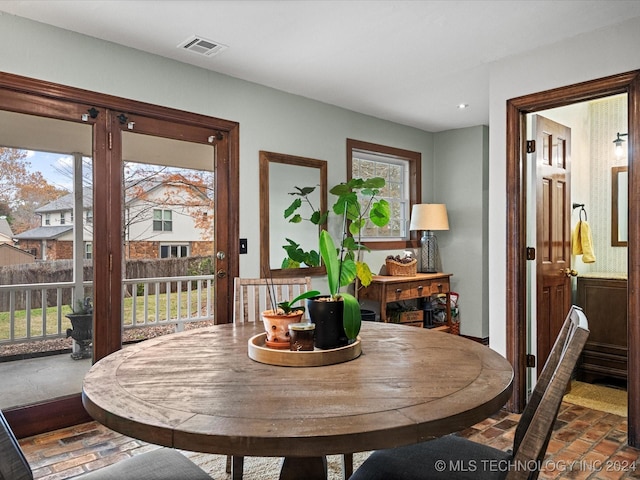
{"points": [[147, 302]]}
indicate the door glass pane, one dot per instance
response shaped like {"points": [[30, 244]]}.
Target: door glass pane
{"points": [[168, 235], [46, 268]]}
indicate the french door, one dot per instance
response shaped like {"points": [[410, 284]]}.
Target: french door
{"points": [[111, 120]]}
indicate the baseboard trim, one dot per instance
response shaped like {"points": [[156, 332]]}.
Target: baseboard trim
{"points": [[483, 341]]}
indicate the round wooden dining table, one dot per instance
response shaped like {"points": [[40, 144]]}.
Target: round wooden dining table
{"points": [[198, 390]]}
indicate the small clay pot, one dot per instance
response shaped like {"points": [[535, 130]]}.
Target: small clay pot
{"points": [[277, 327]]}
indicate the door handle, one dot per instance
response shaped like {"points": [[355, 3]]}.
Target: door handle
{"points": [[221, 273], [570, 272]]}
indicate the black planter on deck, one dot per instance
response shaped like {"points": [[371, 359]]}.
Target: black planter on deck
{"points": [[82, 332]]}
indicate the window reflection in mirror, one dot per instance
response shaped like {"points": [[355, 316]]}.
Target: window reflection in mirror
{"points": [[619, 206], [279, 175]]}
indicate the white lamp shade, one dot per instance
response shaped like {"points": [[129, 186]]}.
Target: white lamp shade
{"points": [[429, 216]]}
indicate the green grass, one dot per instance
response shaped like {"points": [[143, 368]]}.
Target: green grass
{"points": [[20, 323]]}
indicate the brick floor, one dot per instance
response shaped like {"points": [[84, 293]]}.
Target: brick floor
{"points": [[587, 444]]}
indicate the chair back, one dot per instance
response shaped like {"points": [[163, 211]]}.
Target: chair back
{"points": [[251, 295], [13, 465], [536, 423]]}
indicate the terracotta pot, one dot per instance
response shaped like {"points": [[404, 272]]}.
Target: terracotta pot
{"points": [[277, 327], [327, 315]]}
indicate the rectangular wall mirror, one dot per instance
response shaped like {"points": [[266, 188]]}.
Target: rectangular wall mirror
{"points": [[279, 175], [619, 206]]}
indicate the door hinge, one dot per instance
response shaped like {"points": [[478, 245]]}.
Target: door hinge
{"points": [[531, 253], [111, 262], [531, 360], [110, 140], [531, 146]]}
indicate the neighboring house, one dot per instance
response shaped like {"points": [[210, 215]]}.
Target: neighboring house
{"points": [[53, 239], [161, 220], [10, 255], [164, 219], [6, 235]]}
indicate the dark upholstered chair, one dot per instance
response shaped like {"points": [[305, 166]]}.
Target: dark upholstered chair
{"points": [[160, 464], [454, 457]]}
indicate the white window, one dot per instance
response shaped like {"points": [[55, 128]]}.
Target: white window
{"points": [[401, 170], [88, 250], [174, 251], [162, 221], [62, 221], [47, 219], [395, 172], [89, 217]]}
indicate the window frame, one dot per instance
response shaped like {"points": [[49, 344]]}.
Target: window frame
{"points": [[170, 246], [163, 221], [414, 188]]}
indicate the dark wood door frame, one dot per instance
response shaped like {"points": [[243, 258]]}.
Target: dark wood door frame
{"points": [[516, 287]]}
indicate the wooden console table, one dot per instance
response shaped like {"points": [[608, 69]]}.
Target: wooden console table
{"points": [[389, 289]]}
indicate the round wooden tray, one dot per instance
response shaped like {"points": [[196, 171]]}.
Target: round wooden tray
{"points": [[259, 352]]}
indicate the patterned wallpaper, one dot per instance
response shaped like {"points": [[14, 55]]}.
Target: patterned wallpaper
{"points": [[607, 117]]}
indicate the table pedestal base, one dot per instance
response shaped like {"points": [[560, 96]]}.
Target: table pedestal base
{"points": [[309, 468]]}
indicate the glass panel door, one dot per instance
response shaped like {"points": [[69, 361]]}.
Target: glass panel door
{"points": [[168, 229], [46, 266]]}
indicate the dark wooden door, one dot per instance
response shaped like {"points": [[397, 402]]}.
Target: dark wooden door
{"points": [[553, 231]]}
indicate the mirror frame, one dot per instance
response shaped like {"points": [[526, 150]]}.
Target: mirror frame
{"points": [[265, 240], [615, 201]]}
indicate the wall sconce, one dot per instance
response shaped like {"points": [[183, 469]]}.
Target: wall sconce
{"points": [[618, 143], [429, 217]]}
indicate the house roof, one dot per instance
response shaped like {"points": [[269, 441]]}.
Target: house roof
{"points": [[66, 202], [5, 228], [6, 246], [44, 233]]}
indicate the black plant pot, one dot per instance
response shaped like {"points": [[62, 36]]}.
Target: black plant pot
{"points": [[82, 333], [327, 316]]}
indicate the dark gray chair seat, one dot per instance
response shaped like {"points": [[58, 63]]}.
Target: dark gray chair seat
{"points": [[160, 464], [444, 458], [454, 457]]}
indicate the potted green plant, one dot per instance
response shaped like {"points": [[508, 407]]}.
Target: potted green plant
{"points": [[357, 203]]}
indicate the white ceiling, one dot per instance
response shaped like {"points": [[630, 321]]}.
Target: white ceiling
{"points": [[411, 62]]}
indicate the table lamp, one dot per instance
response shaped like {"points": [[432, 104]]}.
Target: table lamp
{"points": [[429, 217]]}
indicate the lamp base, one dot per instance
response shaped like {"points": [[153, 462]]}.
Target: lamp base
{"points": [[429, 253]]}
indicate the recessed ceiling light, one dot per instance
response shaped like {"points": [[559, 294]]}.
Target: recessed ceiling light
{"points": [[462, 106]]}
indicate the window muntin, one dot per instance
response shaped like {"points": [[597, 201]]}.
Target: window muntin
{"points": [[162, 221]]}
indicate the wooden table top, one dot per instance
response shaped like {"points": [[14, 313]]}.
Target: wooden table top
{"points": [[198, 390]]}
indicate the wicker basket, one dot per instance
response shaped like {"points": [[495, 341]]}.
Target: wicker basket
{"points": [[397, 269]]}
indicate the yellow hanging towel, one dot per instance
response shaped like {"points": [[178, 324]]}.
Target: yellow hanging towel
{"points": [[582, 243]]}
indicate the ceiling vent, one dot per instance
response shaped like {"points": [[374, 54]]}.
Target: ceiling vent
{"points": [[202, 46]]}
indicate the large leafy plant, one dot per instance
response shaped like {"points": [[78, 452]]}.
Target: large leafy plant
{"points": [[357, 203]]}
